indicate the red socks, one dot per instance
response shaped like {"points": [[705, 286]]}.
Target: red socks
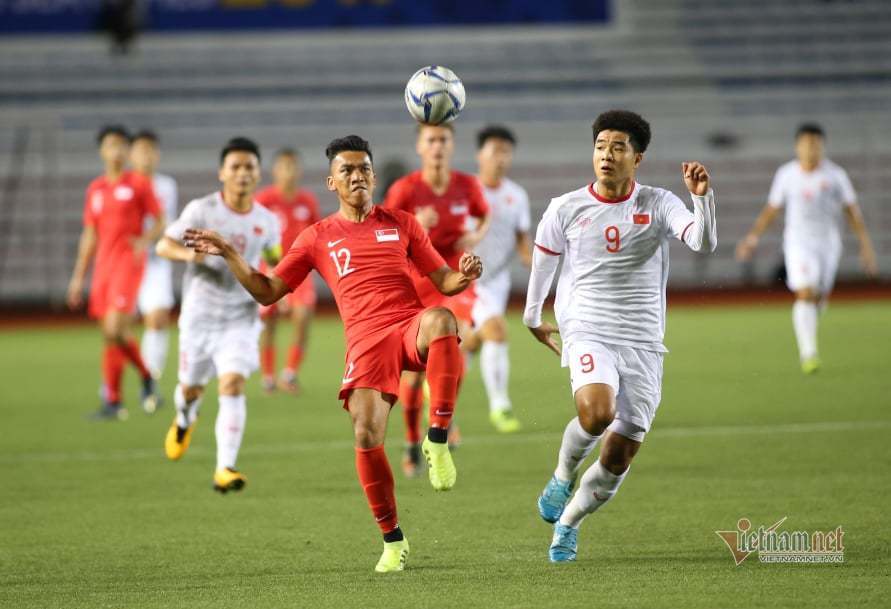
{"points": [[130, 350], [445, 365], [376, 479], [295, 358], [267, 361], [112, 371], [412, 399]]}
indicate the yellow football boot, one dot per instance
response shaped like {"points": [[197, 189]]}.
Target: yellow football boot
{"points": [[440, 467], [393, 558], [228, 479], [177, 441]]}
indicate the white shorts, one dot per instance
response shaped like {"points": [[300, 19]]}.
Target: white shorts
{"points": [[491, 298], [205, 354], [634, 374], [156, 291], [811, 267]]}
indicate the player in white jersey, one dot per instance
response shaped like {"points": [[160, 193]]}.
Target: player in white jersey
{"points": [[156, 298], [508, 235], [815, 192], [219, 323], [613, 238]]}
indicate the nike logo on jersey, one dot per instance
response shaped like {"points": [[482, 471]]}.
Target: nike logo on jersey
{"points": [[387, 234], [333, 243], [346, 377], [459, 210]]}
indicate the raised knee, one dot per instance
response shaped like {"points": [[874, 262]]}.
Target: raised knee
{"points": [[366, 435], [192, 393], [232, 385], [595, 414], [440, 321]]}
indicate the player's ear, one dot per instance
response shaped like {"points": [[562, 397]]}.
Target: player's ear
{"points": [[638, 157], [329, 183]]}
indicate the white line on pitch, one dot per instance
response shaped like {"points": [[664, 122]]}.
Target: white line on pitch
{"points": [[482, 440]]}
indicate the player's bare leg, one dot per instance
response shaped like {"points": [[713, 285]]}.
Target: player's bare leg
{"points": [[120, 347], [267, 350], [596, 406], [301, 317], [805, 314], [369, 412], [155, 340], [229, 431], [437, 343], [187, 401], [495, 369]]}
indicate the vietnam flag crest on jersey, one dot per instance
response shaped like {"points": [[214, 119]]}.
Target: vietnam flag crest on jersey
{"points": [[641, 218]]}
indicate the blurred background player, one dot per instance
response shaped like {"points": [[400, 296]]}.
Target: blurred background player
{"points": [[814, 191], [365, 254], [219, 325], [116, 211], [296, 209], [613, 237], [442, 200], [156, 297], [508, 235]]}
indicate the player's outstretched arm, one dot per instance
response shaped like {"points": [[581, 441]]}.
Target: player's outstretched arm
{"points": [[265, 290], [544, 267], [702, 236], [867, 253], [86, 248], [450, 282], [747, 245]]}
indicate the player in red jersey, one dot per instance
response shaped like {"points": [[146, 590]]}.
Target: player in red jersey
{"points": [[365, 254], [296, 209], [117, 204], [443, 200]]}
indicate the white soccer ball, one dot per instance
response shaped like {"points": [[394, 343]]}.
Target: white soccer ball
{"points": [[434, 95]]}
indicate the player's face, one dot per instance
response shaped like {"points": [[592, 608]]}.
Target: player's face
{"points": [[435, 145], [615, 159], [287, 171], [113, 150], [144, 156], [240, 172], [496, 156], [809, 148], [352, 178]]}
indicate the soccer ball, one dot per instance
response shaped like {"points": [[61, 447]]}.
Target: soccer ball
{"points": [[434, 95]]}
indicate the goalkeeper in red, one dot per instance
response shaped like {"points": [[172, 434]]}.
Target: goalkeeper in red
{"points": [[364, 253]]}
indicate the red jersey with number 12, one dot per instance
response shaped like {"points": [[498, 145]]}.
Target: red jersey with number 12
{"points": [[366, 265]]}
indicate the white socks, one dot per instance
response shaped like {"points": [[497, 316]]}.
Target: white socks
{"points": [[230, 428], [186, 412], [495, 369], [597, 486], [576, 446], [154, 350], [804, 318]]}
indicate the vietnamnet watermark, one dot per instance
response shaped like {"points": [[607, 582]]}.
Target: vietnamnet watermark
{"points": [[775, 546]]}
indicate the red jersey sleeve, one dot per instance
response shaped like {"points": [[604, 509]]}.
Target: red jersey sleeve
{"points": [[420, 250], [89, 208], [299, 261], [150, 205], [398, 196], [478, 206]]}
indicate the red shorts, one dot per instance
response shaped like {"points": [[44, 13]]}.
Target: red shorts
{"points": [[459, 304], [377, 361], [303, 296], [115, 290]]}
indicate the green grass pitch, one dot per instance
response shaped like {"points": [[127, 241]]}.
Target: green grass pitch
{"points": [[92, 515]]}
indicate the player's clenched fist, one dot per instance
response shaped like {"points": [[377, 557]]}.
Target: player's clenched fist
{"points": [[696, 178], [470, 266]]}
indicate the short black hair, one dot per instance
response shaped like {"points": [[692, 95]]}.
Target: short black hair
{"points": [[352, 143], [633, 124], [810, 129], [291, 152], [146, 134], [448, 126], [107, 130], [497, 132], [239, 144]]}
